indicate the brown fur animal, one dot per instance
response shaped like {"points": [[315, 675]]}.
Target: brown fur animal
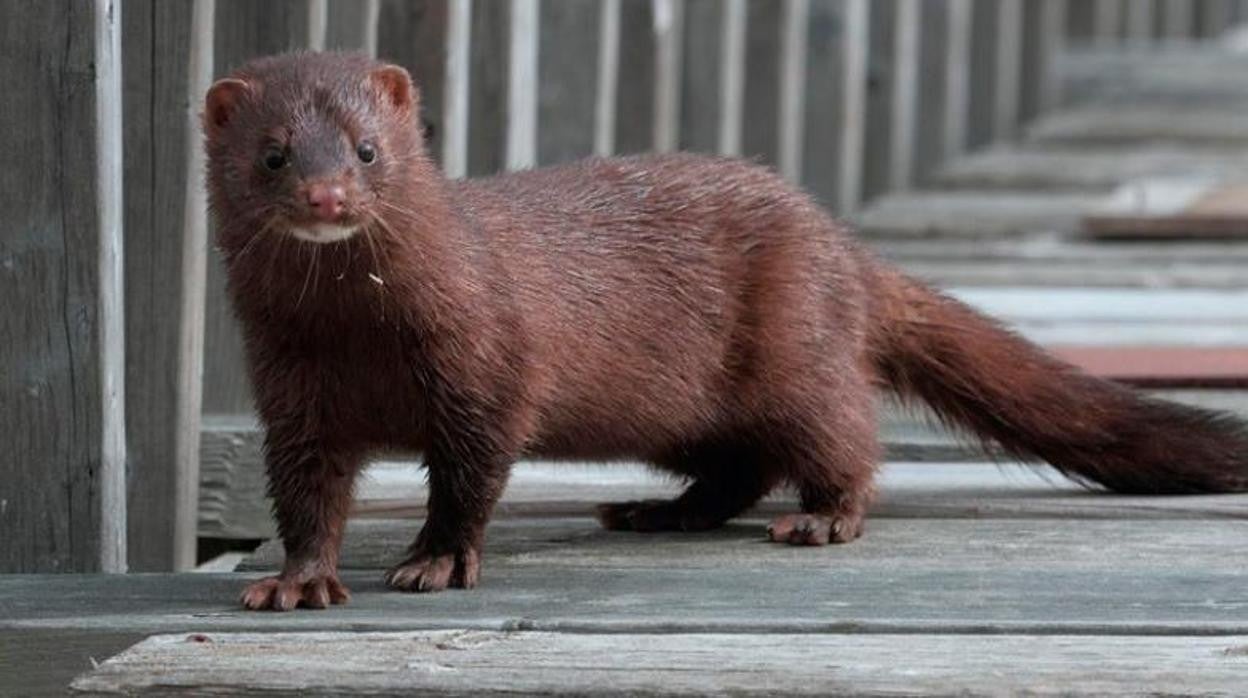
{"points": [[698, 313]]}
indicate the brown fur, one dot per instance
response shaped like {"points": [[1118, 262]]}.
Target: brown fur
{"points": [[698, 313]]}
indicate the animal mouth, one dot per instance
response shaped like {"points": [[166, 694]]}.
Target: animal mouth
{"points": [[324, 233]]}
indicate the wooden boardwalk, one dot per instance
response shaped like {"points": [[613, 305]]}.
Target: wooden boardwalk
{"points": [[971, 578]]}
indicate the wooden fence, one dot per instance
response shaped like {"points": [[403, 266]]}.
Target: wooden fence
{"points": [[851, 98]]}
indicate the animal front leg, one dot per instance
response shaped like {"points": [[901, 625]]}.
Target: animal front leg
{"points": [[311, 493], [447, 551]]}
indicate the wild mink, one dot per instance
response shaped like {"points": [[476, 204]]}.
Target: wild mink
{"points": [[700, 314]]}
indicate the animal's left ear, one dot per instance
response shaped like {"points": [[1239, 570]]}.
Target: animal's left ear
{"points": [[395, 84]]}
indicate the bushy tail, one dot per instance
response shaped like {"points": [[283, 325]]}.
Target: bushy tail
{"points": [[989, 381]]}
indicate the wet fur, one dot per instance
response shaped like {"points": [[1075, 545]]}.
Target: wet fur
{"points": [[697, 313]]}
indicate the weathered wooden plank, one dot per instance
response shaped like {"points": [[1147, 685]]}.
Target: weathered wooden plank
{"points": [[1169, 123], [1208, 367], [165, 297], [1086, 577], [1172, 207], [972, 214], [1035, 168], [62, 489], [465, 662]]}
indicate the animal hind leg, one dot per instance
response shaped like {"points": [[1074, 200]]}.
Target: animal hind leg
{"points": [[833, 468], [726, 481]]}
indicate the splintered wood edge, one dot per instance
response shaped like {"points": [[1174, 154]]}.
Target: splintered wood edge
{"points": [[477, 662]]}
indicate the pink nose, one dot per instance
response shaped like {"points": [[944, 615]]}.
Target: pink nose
{"points": [[326, 201]]}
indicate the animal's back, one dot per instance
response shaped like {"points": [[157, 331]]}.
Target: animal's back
{"points": [[658, 290]]}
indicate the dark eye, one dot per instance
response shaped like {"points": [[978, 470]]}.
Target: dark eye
{"points": [[366, 152], [274, 159]]}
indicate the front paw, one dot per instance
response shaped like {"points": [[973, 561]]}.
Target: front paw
{"points": [[424, 571], [288, 591]]}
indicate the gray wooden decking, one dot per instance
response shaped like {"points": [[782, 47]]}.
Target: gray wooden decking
{"points": [[971, 578]]}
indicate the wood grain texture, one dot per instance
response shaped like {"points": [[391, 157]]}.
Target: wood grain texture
{"points": [[1085, 577], [52, 388], [156, 53], [461, 662]]}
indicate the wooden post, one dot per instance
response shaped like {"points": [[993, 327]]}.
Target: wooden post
{"points": [[62, 472], [318, 24], [168, 65], [792, 117], [608, 77], [1052, 40], [522, 85], [1107, 21], [957, 76], [567, 80], [1178, 19], [350, 25], [668, 26], [905, 94], [857, 41], [1007, 94], [1140, 20], [455, 104], [731, 77]]}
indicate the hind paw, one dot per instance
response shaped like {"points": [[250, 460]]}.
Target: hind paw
{"points": [[814, 529]]}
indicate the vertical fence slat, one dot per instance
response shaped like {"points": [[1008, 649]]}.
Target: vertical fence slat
{"points": [[957, 76], [731, 77], [668, 23], [1107, 21], [608, 77], [456, 86], [318, 24], [856, 39], [1215, 17], [1007, 94], [522, 85], [1178, 19], [112, 351], [1052, 40], [194, 285], [1140, 20], [62, 472], [165, 299], [372, 15], [905, 94], [792, 117]]}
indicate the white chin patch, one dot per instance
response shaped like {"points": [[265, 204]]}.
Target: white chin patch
{"points": [[324, 232]]}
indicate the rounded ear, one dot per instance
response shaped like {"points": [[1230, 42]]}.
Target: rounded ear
{"points": [[395, 84], [222, 101]]}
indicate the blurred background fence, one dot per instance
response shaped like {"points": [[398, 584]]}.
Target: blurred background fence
{"points": [[851, 98]]}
